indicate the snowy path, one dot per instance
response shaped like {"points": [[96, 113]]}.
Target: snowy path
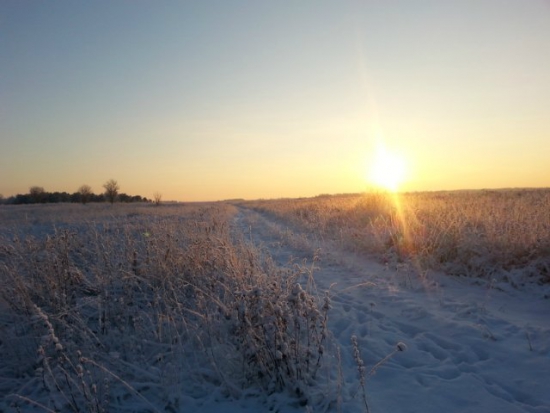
{"points": [[471, 347]]}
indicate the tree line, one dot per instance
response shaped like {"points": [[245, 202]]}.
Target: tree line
{"points": [[84, 194]]}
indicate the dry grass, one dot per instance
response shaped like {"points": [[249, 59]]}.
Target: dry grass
{"points": [[473, 233], [133, 297], [102, 304]]}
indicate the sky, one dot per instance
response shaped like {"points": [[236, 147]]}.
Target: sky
{"points": [[210, 100]]}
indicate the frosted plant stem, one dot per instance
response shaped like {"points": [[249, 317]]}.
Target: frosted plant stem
{"points": [[26, 399], [126, 384]]}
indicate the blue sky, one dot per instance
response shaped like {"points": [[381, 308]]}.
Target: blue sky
{"points": [[221, 99]]}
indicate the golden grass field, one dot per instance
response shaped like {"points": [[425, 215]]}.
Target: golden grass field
{"points": [[472, 233]]}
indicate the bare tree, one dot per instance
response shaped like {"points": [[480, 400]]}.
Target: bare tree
{"points": [[111, 190], [37, 194], [157, 198], [85, 192]]}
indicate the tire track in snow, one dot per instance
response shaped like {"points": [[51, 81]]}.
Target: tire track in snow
{"points": [[466, 353]]}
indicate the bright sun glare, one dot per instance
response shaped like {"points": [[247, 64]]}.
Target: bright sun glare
{"points": [[387, 170]]}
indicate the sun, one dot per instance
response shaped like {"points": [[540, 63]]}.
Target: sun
{"points": [[388, 170]]}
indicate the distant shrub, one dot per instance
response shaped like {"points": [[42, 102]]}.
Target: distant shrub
{"points": [[85, 192], [37, 194], [83, 195], [157, 198], [111, 190]]}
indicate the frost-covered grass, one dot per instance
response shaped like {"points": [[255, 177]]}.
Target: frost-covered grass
{"points": [[143, 308], [214, 308], [472, 233]]}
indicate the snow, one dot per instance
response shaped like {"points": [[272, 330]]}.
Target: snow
{"points": [[429, 342], [471, 346]]}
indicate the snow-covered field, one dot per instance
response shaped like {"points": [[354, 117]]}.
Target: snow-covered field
{"points": [[472, 346], [398, 339]]}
